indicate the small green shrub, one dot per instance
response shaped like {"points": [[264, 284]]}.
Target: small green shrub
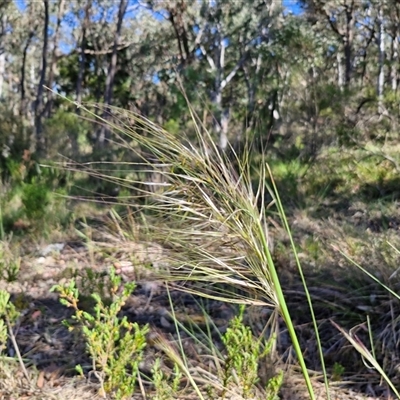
{"points": [[8, 316], [10, 262], [63, 132], [9, 269], [338, 371], [347, 134], [35, 198], [166, 388], [14, 140], [92, 282], [243, 357], [172, 126], [114, 344]]}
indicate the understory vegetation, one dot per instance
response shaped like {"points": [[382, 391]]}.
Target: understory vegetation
{"points": [[302, 254], [199, 200]]}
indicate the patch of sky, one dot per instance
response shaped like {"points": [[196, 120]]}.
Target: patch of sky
{"points": [[292, 6], [21, 5]]}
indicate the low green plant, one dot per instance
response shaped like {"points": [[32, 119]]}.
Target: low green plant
{"points": [[338, 371], [10, 262], [165, 387], [8, 316], [114, 344], [243, 357], [274, 385], [10, 269], [313, 248], [92, 282], [65, 134], [35, 199], [222, 371]]}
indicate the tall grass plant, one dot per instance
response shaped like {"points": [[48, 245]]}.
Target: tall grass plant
{"points": [[202, 205]]}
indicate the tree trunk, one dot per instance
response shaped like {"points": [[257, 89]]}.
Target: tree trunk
{"points": [[104, 132], [82, 58], [381, 73], [346, 34], [251, 81], [114, 57], [22, 107], [223, 135], [54, 58], [38, 106], [394, 47], [339, 70], [348, 45], [221, 125], [2, 70]]}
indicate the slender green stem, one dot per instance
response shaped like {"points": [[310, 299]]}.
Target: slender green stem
{"points": [[286, 315], [307, 293], [183, 364]]}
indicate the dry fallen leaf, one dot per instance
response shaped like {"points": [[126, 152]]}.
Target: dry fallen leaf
{"points": [[40, 380], [36, 314]]}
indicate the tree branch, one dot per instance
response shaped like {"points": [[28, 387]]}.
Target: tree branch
{"points": [[235, 69]]}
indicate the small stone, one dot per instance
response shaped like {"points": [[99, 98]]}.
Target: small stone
{"points": [[165, 323]]}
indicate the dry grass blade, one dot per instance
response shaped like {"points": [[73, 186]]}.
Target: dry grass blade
{"points": [[163, 344], [367, 356], [206, 211], [16, 348]]}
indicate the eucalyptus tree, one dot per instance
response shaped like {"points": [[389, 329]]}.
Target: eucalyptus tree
{"points": [[123, 4], [38, 104], [55, 54], [309, 85], [219, 46], [5, 31], [18, 42], [246, 66], [104, 133], [393, 30], [234, 41], [381, 59], [81, 47], [342, 20], [19, 30]]}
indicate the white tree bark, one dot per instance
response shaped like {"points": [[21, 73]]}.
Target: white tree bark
{"points": [[395, 60], [2, 72], [340, 72], [381, 73]]}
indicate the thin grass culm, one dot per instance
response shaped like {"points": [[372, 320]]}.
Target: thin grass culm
{"points": [[202, 205]]}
